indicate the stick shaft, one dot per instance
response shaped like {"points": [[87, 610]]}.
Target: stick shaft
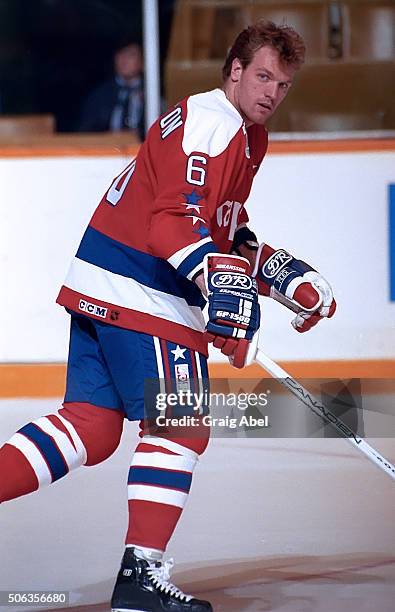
{"points": [[320, 410]]}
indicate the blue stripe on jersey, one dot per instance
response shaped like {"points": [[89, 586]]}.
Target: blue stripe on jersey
{"points": [[196, 257], [185, 379], [204, 369], [48, 449], [105, 252], [392, 240], [158, 477]]}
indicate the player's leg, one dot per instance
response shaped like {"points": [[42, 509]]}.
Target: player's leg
{"points": [[80, 433], [160, 475], [161, 469], [158, 487]]}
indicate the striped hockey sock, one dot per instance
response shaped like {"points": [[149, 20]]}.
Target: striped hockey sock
{"points": [[50, 447], [39, 453], [159, 480]]}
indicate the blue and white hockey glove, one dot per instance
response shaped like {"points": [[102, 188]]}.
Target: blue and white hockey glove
{"points": [[295, 284], [233, 307]]}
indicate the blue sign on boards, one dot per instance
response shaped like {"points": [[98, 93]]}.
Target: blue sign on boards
{"points": [[391, 192]]}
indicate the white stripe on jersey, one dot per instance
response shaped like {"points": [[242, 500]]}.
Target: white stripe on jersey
{"points": [[196, 271], [159, 363], [100, 284], [177, 258]]}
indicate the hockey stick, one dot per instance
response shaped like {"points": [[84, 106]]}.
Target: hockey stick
{"points": [[319, 409]]}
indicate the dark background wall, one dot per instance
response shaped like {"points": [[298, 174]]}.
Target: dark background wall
{"points": [[53, 52]]}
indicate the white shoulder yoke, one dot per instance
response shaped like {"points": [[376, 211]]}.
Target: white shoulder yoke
{"points": [[212, 121]]}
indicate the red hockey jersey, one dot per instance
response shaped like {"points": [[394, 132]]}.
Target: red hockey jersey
{"points": [[181, 198]]}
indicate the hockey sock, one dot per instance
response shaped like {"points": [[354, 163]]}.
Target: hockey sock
{"points": [[38, 454], [158, 485], [48, 448]]}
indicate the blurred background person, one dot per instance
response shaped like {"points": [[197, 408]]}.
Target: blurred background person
{"points": [[118, 103]]}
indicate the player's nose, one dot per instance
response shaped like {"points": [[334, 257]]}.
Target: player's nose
{"points": [[271, 90]]}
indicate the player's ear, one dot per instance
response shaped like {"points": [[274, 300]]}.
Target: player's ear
{"points": [[236, 70]]}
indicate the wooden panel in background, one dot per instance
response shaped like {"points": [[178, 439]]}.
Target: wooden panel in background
{"points": [[16, 126]]}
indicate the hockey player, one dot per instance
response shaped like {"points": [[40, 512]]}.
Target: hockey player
{"points": [[170, 232]]}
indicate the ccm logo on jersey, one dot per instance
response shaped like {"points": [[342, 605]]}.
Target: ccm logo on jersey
{"points": [[93, 309], [231, 281], [275, 263]]}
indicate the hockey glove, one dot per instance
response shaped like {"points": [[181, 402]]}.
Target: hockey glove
{"points": [[233, 307], [295, 284]]}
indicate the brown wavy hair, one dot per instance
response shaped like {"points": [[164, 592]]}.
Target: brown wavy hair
{"points": [[283, 38]]}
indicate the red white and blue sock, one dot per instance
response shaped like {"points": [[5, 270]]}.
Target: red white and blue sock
{"points": [[50, 447], [159, 481]]}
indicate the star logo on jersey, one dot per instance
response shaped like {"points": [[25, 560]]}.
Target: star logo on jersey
{"points": [[202, 231], [178, 352], [192, 201], [195, 219]]}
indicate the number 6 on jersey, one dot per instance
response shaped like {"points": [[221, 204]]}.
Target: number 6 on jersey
{"points": [[196, 175]]}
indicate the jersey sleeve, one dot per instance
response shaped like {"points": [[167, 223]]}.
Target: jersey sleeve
{"points": [[258, 140], [188, 190], [243, 219]]}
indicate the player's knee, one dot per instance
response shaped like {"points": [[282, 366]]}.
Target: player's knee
{"points": [[197, 445], [194, 438], [98, 429]]}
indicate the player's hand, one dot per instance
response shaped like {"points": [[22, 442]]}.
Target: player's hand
{"points": [[296, 285], [233, 307]]}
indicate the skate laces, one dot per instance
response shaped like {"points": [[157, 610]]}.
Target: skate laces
{"points": [[159, 575]]}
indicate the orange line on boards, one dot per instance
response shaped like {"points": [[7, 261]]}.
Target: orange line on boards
{"points": [[364, 368], [93, 147], [48, 380], [331, 146], [32, 380], [17, 151], [72, 145]]}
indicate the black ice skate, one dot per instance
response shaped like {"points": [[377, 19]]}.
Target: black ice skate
{"points": [[144, 587]]}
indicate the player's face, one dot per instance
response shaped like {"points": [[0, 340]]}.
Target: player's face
{"points": [[259, 88]]}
